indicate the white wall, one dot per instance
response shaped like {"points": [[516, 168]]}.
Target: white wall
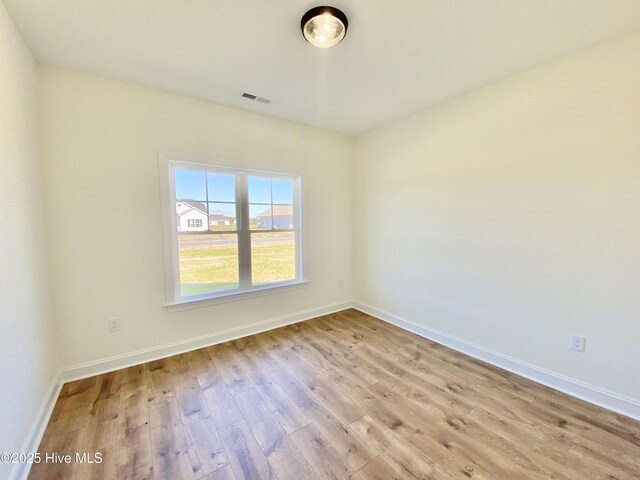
{"points": [[100, 140], [510, 218], [27, 354]]}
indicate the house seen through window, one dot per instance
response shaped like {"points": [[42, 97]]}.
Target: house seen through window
{"points": [[234, 230]]}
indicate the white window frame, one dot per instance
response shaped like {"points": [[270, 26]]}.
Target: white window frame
{"points": [[174, 300]]}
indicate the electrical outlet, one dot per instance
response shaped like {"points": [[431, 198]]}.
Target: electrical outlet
{"points": [[340, 283], [578, 343], [114, 324]]}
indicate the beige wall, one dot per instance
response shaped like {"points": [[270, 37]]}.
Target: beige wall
{"points": [[510, 218], [27, 348], [100, 140]]}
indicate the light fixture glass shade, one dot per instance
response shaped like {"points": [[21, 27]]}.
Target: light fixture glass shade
{"points": [[324, 27]]}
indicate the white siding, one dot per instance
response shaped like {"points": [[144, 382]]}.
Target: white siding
{"points": [[185, 226]]}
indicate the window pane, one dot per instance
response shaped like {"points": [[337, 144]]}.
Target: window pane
{"points": [[276, 217], [208, 263], [259, 190], [282, 191], [190, 184], [191, 216], [260, 217], [222, 216], [222, 187], [273, 257]]}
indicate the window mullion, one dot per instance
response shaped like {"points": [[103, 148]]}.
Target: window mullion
{"points": [[244, 234], [295, 208]]}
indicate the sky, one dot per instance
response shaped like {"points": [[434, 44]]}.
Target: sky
{"points": [[192, 185]]}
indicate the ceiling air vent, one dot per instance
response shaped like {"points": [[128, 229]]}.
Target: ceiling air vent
{"points": [[256, 98]]}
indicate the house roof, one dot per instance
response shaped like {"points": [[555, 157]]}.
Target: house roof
{"points": [[278, 211], [193, 204]]}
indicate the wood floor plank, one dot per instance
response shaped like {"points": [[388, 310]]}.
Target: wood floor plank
{"points": [[206, 451], [60, 443], [377, 469], [438, 431], [106, 468], [537, 460], [350, 335], [162, 380], [225, 473], [75, 403], [355, 452], [135, 462], [222, 406], [290, 417], [302, 348], [337, 354], [344, 396], [403, 457], [337, 338], [342, 405], [283, 457], [235, 374], [519, 413], [170, 453], [108, 385], [257, 351], [265, 428], [287, 462], [592, 460], [325, 460], [190, 399], [368, 364], [286, 412], [101, 434], [245, 455], [165, 412], [198, 361], [275, 340], [134, 412], [401, 420]]}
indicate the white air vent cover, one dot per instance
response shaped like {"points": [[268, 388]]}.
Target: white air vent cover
{"points": [[250, 96]]}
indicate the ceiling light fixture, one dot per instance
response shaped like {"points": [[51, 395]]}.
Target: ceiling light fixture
{"points": [[324, 27]]}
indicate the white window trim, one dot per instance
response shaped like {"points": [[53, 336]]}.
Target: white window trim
{"points": [[173, 300]]}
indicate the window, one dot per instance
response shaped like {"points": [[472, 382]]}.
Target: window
{"points": [[228, 231]]}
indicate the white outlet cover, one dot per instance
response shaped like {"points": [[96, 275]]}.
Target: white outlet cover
{"points": [[578, 343], [113, 324]]}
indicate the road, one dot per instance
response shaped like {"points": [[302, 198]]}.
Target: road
{"points": [[233, 242]]}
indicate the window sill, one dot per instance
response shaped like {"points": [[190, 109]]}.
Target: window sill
{"points": [[235, 296]]}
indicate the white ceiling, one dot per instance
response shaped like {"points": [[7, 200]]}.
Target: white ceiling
{"points": [[398, 57]]}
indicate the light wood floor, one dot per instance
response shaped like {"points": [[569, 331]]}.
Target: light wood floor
{"points": [[342, 396]]}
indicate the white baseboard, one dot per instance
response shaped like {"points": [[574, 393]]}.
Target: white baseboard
{"points": [[21, 471], [589, 393], [110, 364]]}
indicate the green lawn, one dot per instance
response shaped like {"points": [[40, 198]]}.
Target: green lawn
{"points": [[203, 236], [215, 267], [273, 263]]}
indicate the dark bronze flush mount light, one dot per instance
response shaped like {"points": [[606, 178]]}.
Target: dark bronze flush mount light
{"points": [[324, 27]]}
